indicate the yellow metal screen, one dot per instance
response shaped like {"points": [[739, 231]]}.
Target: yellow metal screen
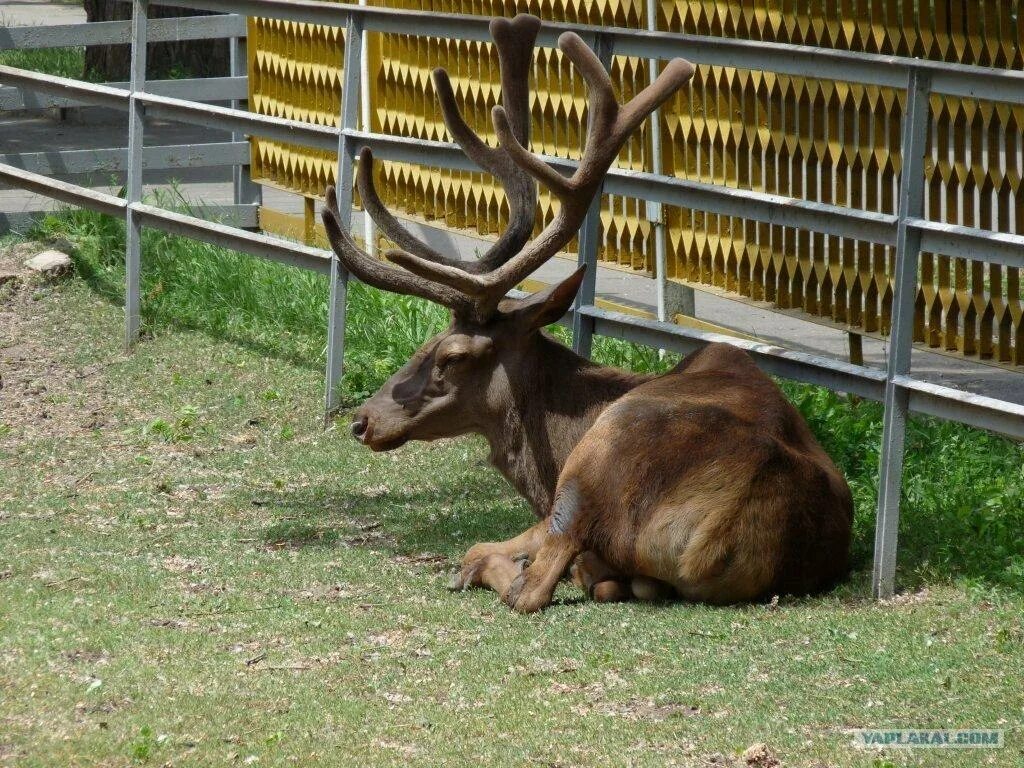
{"points": [[818, 140]]}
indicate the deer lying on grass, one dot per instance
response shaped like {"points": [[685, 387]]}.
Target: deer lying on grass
{"points": [[704, 482]]}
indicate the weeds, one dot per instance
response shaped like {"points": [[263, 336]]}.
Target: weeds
{"points": [[62, 62]]}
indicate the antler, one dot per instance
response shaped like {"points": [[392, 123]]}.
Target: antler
{"points": [[378, 273], [515, 42], [481, 285]]}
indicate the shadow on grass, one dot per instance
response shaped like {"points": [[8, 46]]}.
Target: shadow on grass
{"points": [[110, 287], [478, 506], [445, 520]]}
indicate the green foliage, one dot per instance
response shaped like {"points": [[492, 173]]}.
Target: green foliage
{"points": [[145, 744], [180, 429], [278, 310], [62, 62]]}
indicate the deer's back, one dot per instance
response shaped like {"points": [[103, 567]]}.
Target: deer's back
{"points": [[708, 475]]}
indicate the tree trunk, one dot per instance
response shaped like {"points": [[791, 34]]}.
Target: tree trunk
{"points": [[190, 58]]}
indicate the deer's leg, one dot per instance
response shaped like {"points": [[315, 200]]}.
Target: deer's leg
{"points": [[497, 572], [599, 580], [532, 589], [522, 547]]}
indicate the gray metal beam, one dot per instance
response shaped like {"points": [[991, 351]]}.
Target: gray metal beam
{"points": [[63, 87], [241, 121], [965, 407], [62, 190], [932, 399], [36, 93], [901, 338], [970, 243], [800, 366], [214, 233], [241, 216], [119, 32], [172, 156], [133, 183], [806, 61], [589, 240], [338, 302], [245, 190]]}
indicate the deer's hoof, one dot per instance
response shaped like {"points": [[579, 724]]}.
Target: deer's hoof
{"points": [[466, 577], [521, 598]]}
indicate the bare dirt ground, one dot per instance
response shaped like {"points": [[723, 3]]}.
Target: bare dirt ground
{"points": [[36, 396]]}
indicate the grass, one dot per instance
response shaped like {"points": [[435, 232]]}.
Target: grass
{"points": [[193, 572], [63, 62]]}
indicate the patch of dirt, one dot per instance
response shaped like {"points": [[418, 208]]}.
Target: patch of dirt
{"points": [[543, 666], [428, 560], [172, 623], [178, 564], [370, 535], [637, 709], [40, 394], [87, 656], [760, 756], [908, 598], [104, 707]]}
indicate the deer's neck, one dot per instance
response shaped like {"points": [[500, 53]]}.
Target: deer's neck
{"points": [[554, 396]]}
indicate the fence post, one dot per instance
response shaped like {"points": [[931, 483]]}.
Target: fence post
{"points": [[589, 241], [366, 123], [133, 185], [908, 246], [685, 301], [246, 192], [349, 118]]}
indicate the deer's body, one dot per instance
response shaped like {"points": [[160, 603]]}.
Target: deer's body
{"points": [[705, 480], [539, 413], [709, 480]]}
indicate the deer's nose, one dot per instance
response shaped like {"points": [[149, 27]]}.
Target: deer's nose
{"points": [[359, 427]]}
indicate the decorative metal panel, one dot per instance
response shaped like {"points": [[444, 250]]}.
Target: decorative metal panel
{"points": [[814, 139]]}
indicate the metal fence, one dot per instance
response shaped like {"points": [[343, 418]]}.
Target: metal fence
{"points": [[803, 137], [908, 231]]}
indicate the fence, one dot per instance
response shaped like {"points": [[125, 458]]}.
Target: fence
{"points": [[803, 137], [907, 231]]}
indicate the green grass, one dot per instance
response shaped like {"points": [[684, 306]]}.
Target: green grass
{"points": [[63, 62], [192, 572]]}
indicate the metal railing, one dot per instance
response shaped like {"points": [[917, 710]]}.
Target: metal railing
{"points": [[908, 231], [793, 135]]}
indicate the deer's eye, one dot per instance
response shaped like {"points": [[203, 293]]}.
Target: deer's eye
{"points": [[450, 360]]}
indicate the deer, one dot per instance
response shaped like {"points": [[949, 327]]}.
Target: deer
{"points": [[703, 483]]}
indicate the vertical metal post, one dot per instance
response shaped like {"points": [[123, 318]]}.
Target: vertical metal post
{"points": [[589, 241], [308, 220], [365, 122], [684, 300], [246, 192], [133, 187], [346, 157], [908, 246]]}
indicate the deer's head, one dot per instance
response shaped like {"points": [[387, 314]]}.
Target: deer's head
{"points": [[458, 378]]}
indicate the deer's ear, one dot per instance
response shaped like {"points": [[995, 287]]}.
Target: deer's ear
{"points": [[548, 306]]}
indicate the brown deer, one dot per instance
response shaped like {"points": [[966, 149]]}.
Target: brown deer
{"points": [[704, 482]]}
